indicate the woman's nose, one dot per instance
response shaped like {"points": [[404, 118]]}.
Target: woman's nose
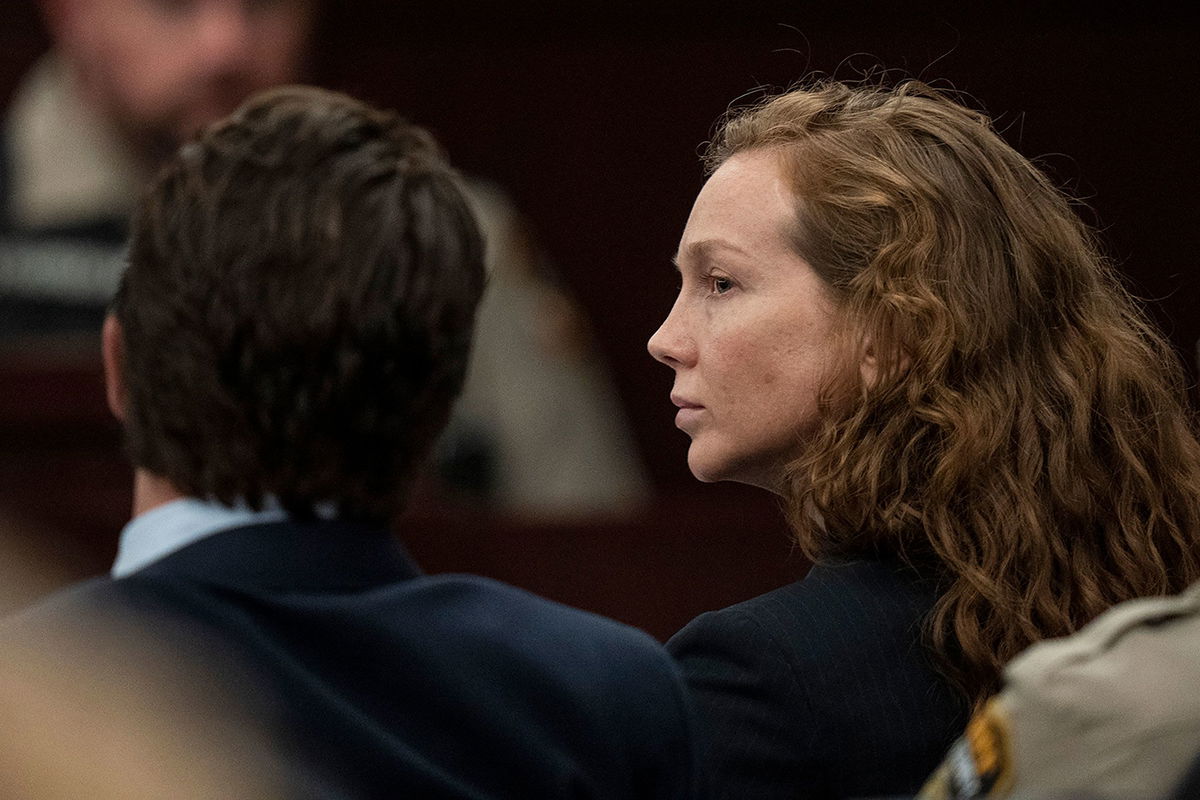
{"points": [[670, 344]]}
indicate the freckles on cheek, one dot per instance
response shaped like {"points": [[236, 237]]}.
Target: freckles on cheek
{"points": [[749, 363], [740, 368]]}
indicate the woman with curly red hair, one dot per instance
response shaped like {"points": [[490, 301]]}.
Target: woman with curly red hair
{"points": [[897, 323]]}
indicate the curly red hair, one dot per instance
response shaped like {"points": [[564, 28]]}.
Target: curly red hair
{"points": [[1025, 440]]}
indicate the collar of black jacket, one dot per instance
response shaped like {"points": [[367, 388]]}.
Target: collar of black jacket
{"points": [[328, 555]]}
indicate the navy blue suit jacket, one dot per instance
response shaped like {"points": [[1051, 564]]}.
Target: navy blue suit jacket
{"points": [[377, 681], [821, 688]]}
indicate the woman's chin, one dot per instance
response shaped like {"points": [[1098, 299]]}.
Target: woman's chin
{"points": [[769, 477], [701, 472], [712, 471], [704, 464]]}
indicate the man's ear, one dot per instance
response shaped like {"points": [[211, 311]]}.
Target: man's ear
{"points": [[112, 349]]}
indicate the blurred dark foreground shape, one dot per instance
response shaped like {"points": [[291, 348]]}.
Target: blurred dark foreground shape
{"points": [[76, 721]]}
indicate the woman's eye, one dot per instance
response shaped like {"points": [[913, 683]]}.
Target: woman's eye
{"points": [[720, 285]]}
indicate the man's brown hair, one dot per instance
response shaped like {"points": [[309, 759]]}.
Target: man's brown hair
{"points": [[298, 306]]}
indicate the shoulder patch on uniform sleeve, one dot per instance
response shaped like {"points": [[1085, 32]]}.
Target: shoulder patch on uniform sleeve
{"points": [[979, 765]]}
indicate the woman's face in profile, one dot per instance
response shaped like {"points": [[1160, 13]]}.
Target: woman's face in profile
{"points": [[751, 335]]}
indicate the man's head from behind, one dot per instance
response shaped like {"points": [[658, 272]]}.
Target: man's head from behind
{"points": [[296, 315], [159, 70]]}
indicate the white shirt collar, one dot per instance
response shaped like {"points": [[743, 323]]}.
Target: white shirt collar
{"points": [[155, 534]]}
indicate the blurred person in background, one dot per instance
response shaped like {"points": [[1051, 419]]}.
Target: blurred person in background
{"points": [[540, 430], [125, 83], [539, 420], [285, 347]]}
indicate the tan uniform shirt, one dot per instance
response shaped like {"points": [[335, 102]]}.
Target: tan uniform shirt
{"points": [[1111, 712]]}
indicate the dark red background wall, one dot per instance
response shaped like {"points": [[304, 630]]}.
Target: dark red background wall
{"points": [[591, 114]]}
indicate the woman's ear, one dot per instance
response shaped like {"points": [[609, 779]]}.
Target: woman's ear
{"points": [[868, 364], [112, 350]]}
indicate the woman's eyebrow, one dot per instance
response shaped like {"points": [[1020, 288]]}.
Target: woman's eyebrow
{"points": [[704, 249]]}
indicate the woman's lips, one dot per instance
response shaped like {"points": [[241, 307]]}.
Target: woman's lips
{"points": [[688, 412]]}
